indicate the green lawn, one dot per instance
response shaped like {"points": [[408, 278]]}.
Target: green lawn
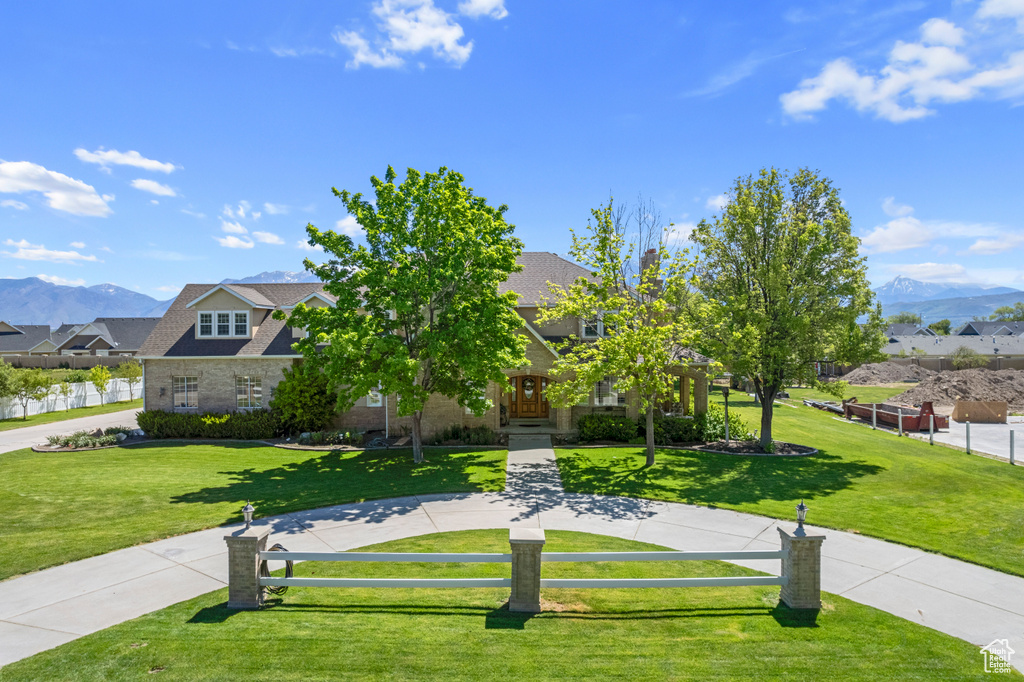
{"points": [[417, 634], [60, 507], [864, 394], [74, 413], [899, 489]]}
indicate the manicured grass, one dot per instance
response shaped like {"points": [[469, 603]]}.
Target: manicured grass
{"points": [[59, 507], [74, 413], [899, 489], [864, 394], [700, 633]]}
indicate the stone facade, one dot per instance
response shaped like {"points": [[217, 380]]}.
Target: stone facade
{"points": [[244, 547], [215, 379], [527, 545]]}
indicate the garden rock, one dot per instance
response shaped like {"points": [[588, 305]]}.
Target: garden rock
{"points": [[121, 437]]}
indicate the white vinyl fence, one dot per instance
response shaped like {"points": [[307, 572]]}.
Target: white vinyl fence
{"points": [[84, 394]]}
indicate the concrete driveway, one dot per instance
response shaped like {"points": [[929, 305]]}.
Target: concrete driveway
{"points": [[16, 439], [990, 439]]}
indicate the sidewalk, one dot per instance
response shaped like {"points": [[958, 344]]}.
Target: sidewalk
{"points": [[16, 439], [45, 609], [989, 439]]}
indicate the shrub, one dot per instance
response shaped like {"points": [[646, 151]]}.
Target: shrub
{"points": [[702, 428], [464, 435], [76, 376], [114, 430], [255, 425], [967, 358], [712, 425], [81, 439], [606, 427], [304, 400], [328, 438]]}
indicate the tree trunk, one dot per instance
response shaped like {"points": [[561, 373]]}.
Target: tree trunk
{"points": [[768, 394], [650, 434], [417, 437]]}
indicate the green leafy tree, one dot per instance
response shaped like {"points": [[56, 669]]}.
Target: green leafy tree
{"points": [[967, 358], [782, 284], [1009, 313], [8, 381], [641, 340], [942, 327], [904, 318], [29, 385], [304, 400], [100, 378], [418, 308], [130, 371], [64, 389]]}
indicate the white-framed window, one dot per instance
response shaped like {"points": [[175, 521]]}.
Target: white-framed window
{"points": [[185, 392], [483, 396], [605, 394], [205, 324], [223, 323], [374, 399], [595, 327], [248, 392]]}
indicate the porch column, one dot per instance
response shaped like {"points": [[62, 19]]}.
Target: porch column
{"points": [[700, 394], [684, 394]]}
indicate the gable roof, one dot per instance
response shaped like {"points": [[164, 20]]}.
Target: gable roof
{"points": [[904, 329], [120, 333], [992, 327], [247, 294], [27, 337], [174, 335], [539, 268]]}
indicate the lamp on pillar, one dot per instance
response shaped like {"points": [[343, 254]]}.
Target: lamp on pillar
{"points": [[801, 514], [247, 511]]}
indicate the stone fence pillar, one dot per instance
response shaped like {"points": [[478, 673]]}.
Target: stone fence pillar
{"points": [[527, 544], [803, 569], [244, 547]]}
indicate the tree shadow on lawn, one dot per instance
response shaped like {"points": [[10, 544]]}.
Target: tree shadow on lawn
{"points": [[709, 478], [336, 477]]}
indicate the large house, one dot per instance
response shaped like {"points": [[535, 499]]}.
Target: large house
{"points": [[219, 349], [104, 336]]}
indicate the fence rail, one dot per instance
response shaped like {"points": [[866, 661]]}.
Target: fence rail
{"points": [[416, 557], [749, 554], [663, 582], [385, 582]]}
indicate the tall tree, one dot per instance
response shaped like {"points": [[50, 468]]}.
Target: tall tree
{"points": [[1010, 313], [632, 269], [100, 378], [782, 285], [131, 372], [941, 327], [29, 385], [418, 308], [904, 317]]}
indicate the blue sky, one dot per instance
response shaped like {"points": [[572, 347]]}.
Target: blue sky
{"points": [[151, 145]]}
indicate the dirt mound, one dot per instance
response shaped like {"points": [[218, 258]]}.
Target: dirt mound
{"points": [[886, 373], [945, 388]]}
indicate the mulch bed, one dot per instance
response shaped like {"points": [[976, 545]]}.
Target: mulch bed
{"points": [[753, 448]]}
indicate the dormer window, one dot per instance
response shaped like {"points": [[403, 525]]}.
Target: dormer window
{"points": [[223, 324]]}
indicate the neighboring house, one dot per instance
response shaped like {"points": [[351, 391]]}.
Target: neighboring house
{"points": [[218, 349], [104, 336], [21, 339], [993, 347], [902, 329], [992, 328]]}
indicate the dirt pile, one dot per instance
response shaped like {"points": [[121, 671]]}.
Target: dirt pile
{"points": [[886, 373], [945, 388]]}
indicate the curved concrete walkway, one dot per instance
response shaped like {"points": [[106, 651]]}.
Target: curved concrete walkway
{"points": [[26, 437], [45, 609]]}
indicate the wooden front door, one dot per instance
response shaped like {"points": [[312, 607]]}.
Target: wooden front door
{"points": [[528, 399]]}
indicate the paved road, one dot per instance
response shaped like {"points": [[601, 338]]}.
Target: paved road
{"points": [[991, 439], [45, 609], [16, 439]]}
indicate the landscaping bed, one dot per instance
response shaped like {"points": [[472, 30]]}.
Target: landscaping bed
{"points": [[417, 634], [753, 448]]}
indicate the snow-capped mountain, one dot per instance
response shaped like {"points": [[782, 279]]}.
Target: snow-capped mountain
{"points": [[906, 290], [276, 276]]}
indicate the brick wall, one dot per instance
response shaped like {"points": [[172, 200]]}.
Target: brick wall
{"points": [[216, 380]]}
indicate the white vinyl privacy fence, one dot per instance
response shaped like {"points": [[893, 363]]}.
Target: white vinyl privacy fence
{"points": [[83, 394]]}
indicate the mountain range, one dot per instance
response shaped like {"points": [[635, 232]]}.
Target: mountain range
{"points": [[958, 303], [906, 290]]}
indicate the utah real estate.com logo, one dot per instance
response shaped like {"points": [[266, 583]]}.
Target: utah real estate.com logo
{"points": [[997, 656]]}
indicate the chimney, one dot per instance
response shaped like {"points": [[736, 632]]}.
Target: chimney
{"points": [[648, 260]]}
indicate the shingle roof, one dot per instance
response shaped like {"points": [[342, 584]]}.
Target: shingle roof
{"points": [[943, 346], [992, 327], [903, 329], [31, 336], [540, 267], [127, 333], [174, 335]]}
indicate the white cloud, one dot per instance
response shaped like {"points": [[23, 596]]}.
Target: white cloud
{"points": [[233, 242], [154, 187], [1003, 9], [716, 202], [168, 289], [297, 51], [107, 249], [77, 245], [232, 228], [106, 158], [64, 193], [349, 226], [677, 234], [54, 279], [932, 272], [991, 247], [918, 75], [895, 210], [239, 211], [495, 9], [306, 246], [407, 27], [267, 238], [194, 214], [15, 204], [276, 209], [27, 251], [898, 234]]}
